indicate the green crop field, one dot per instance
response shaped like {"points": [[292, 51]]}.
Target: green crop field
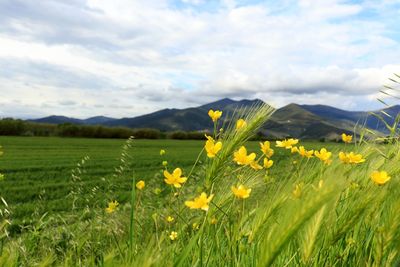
{"points": [[38, 169]]}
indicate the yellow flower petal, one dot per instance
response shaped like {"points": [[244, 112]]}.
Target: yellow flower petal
{"points": [[347, 138], [380, 177], [241, 191], [200, 202], [140, 185], [241, 123]]}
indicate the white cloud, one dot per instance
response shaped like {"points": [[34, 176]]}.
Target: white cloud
{"points": [[194, 2], [125, 58]]}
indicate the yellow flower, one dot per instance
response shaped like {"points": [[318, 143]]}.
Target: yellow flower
{"points": [[268, 163], [165, 163], [170, 219], [211, 147], [305, 153], [294, 149], [255, 165], [266, 149], [112, 206], [351, 158], [195, 226], [175, 178], [356, 158], [140, 185], [324, 155], [343, 157], [241, 123], [173, 235], [287, 143], [200, 202], [241, 157], [346, 138], [162, 152], [380, 177], [213, 220], [214, 115], [241, 191]]}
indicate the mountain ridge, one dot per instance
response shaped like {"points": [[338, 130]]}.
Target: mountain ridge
{"points": [[295, 120]]}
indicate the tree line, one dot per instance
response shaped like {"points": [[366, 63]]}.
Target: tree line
{"points": [[16, 127]]}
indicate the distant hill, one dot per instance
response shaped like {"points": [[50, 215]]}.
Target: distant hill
{"points": [[301, 121], [189, 119], [58, 120], [296, 121], [98, 120], [362, 118]]}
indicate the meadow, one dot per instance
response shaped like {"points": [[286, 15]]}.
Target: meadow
{"points": [[225, 201], [38, 169]]}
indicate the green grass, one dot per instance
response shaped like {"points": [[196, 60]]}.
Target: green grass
{"points": [[38, 169]]}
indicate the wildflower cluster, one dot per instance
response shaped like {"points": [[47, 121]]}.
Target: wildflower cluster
{"points": [[287, 143], [323, 154], [244, 161]]}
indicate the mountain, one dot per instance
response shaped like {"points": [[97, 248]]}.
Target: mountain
{"points": [[300, 121], [57, 120], [363, 118], [295, 121], [189, 119], [229, 105], [98, 120]]}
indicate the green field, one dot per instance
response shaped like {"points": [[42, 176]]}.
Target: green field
{"points": [[38, 169]]}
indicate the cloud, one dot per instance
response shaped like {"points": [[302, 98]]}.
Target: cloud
{"points": [[67, 103], [193, 2], [125, 58], [43, 73]]}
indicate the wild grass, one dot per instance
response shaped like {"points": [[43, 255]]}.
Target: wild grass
{"points": [[299, 212]]}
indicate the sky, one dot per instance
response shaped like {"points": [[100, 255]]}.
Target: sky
{"points": [[125, 58]]}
